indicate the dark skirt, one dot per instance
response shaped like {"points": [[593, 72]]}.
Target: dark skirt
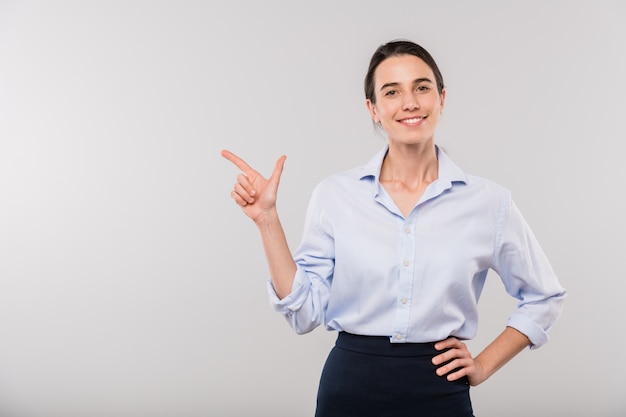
{"points": [[369, 376]]}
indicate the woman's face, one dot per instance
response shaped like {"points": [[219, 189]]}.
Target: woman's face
{"points": [[408, 104]]}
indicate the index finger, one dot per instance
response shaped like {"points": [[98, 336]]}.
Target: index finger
{"points": [[240, 163], [447, 343]]}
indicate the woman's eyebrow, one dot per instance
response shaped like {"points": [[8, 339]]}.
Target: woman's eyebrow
{"points": [[422, 80], [416, 81], [387, 85]]}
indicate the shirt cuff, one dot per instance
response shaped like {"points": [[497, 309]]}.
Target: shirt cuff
{"points": [[537, 336], [282, 306], [293, 301]]}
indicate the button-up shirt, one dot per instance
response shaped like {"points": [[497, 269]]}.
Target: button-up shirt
{"points": [[365, 268]]}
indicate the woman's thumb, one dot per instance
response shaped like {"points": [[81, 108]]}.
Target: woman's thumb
{"points": [[278, 169]]}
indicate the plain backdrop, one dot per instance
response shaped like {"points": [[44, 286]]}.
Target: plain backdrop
{"points": [[132, 286]]}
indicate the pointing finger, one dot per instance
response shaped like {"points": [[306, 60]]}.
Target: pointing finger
{"points": [[240, 163]]}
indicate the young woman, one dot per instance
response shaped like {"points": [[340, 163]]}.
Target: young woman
{"points": [[394, 257]]}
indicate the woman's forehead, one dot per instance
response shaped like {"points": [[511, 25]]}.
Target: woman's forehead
{"points": [[402, 69]]}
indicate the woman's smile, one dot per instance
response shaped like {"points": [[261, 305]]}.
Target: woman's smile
{"points": [[413, 121]]}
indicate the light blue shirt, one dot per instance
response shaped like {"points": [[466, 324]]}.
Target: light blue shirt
{"points": [[363, 268]]}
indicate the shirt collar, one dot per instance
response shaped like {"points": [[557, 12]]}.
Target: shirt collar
{"points": [[449, 172]]}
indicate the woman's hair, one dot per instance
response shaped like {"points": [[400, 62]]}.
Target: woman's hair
{"points": [[396, 48]]}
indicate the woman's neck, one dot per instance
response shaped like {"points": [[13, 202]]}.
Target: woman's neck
{"points": [[411, 165]]}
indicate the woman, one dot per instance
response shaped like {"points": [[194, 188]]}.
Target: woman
{"points": [[395, 254]]}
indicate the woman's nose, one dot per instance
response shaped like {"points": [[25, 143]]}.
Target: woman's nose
{"points": [[410, 102]]}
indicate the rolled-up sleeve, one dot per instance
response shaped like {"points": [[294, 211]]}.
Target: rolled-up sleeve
{"points": [[305, 306], [527, 275]]}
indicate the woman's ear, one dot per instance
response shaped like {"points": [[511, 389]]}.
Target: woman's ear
{"points": [[371, 107], [443, 100]]}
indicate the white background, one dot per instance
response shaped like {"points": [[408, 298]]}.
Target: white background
{"points": [[132, 286]]}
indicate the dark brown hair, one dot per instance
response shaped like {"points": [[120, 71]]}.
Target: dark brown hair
{"points": [[396, 48]]}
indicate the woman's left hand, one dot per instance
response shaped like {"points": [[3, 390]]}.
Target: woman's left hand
{"points": [[459, 359]]}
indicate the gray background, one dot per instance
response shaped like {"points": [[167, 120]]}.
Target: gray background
{"points": [[131, 285]]}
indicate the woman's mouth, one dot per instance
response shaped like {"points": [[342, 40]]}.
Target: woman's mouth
{"points": [[413, 121]]}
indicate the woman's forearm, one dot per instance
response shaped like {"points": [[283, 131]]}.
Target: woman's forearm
{"points": [[279, 258], [508, 344]]}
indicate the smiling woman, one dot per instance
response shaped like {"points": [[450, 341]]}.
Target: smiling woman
{"points": [[394, 257], [407, 103]]}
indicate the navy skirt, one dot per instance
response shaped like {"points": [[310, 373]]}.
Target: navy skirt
{"points": [[369, 376]]}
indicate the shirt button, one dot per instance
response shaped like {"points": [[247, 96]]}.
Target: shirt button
{"points": [[406, 262], [407, 230], [404, 300], [398, 336]]}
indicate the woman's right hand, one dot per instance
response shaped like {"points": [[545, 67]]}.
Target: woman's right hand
{"points": [[255, 194]]}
